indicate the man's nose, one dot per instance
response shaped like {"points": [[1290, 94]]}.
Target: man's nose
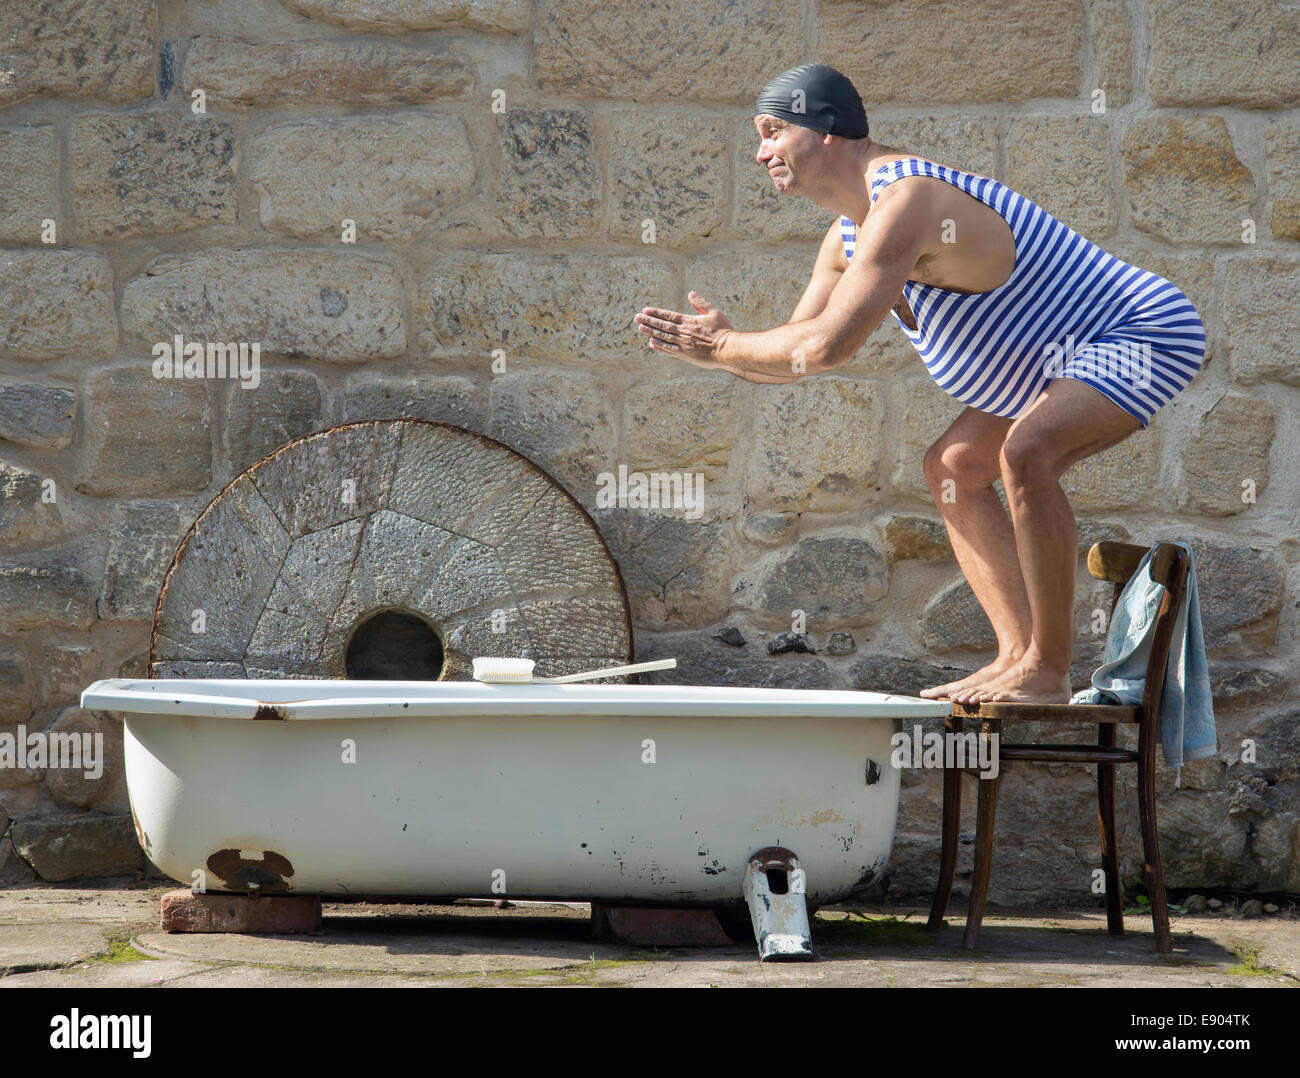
{"points": [[764, 152]]}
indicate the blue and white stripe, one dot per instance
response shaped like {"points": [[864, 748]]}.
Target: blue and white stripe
{"points": [[994, 350]]}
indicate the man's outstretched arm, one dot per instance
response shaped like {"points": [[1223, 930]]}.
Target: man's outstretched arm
{"points": [[887, 251], [891, 243]]}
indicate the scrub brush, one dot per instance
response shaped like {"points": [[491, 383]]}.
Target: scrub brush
{"points": [[520, 671]]}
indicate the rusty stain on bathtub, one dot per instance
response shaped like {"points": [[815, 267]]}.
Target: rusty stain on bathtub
{"points": [[140, 832], [269, 711], [269, 875]]}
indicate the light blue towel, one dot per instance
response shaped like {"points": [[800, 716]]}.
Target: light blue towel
{"points": [[1186, 720]]}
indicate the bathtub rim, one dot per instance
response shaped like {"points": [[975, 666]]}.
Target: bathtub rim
{"points": [[317, 698]]}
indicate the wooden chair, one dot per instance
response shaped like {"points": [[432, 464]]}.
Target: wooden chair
{"points": [[1115, 562]]}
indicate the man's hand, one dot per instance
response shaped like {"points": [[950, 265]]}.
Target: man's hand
{"points": [[694, 338]]}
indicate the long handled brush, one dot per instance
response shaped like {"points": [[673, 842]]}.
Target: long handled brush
{"points": [[520, 671]]}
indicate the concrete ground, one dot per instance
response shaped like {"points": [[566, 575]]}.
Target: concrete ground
{"points": [[108, 936]]}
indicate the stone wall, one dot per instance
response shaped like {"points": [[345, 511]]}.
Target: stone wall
{"points": [[505, 164]]}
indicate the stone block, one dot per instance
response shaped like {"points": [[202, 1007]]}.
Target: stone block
{"points": [[143, 536], [29, 182], [157, 172], [39, 417], [836, 580], [297, 303], [686, 423], [45, 588], [969, 143], [578, 47], [815, 445], [454, 400], [27, 517], [1282, 148], [72, 848], [561, 422], [1112, 44], [1061, 162], [128, 452], [917, 539], [404, 16], [1184, 180], [389, 175], [57, 304], [550, 179], [1243, 53], [1260, 298], [66, 48], [953, 620], [575, 308], [285, 405], [671, 174], [240, 75], [889, 49], [1228, 448], [1122, 476], [99, 782]]}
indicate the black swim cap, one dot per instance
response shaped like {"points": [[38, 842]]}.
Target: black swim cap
{"points": [[816, 96]]}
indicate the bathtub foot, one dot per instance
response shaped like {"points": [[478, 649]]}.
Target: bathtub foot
{"points": [[775, 890], [219, 911], [658, 926]]}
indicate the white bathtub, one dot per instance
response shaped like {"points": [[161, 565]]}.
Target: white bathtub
{"points": [[615, 793]]}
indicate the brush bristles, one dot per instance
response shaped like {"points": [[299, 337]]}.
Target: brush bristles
{"points": [[503, 669]]}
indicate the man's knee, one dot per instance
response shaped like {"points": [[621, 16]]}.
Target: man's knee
{"points": [[1027, 457], [958, 464]]}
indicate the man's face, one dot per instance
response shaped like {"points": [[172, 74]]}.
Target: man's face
{"points": [[783, 148]]}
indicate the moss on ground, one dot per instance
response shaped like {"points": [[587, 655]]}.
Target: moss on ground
{"points": [[859, 929], [119, 951], [1250, 965]]}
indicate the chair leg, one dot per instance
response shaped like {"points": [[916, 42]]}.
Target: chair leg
{"points": [[1155, 872], [984, 817], [951, 830], [1106, 821]]}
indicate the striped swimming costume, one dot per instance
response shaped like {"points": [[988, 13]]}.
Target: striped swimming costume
{"points": [[1069, 310]]}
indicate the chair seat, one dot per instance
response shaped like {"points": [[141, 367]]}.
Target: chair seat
{"points": [[1119, 713]]}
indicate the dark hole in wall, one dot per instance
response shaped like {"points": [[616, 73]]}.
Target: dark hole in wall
{"points": [[393, 645]]}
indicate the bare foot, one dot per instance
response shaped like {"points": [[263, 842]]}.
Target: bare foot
{"points": [[1022, 684], [981, 676]]}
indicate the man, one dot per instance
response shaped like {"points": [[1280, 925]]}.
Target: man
{"points": [[1059, 350]]}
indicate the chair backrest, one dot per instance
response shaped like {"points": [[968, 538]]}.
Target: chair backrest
{"points": [[1170, 564]]}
